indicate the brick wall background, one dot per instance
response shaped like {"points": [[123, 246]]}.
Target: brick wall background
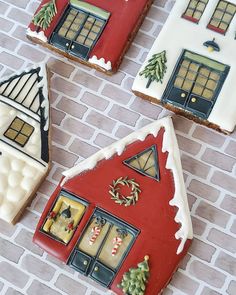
{"points": [[90, 111]]}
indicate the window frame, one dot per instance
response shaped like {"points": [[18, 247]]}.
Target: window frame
{"points": [[217, 29], [153, 147], [94, 260], [71, 46], [187, 105], [19, 131], [193, 19], [73, 198]]}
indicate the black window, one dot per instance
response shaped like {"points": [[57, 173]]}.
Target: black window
{"points": [[146, 163], [79, 29], [196, 83], [103, 246], [222, 17], [195, 10]]}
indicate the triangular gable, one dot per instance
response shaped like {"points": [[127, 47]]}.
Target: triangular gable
{"points": [[27, 92], [146, 163], [173, 163], [24, 89]]}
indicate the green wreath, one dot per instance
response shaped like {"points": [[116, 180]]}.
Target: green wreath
{"points": [[132, 199]]}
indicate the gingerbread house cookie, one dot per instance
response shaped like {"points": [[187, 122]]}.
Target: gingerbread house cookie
{"points": [[94, 32], [24, 139], [191, 67], [121, 217]]}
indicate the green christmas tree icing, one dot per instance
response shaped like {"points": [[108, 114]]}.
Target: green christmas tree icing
{"points": [[155, 69], [134, 281], [45, 15]]}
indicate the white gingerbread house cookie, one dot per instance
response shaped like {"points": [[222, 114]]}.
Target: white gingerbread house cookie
{"points": [[24, 139], [191, 67]]}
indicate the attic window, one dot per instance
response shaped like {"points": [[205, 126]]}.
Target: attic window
{"points": [[195, 10], [222, 17], [146, 163], [19, 131]]}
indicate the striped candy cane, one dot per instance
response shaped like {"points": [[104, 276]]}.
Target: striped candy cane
{"points": [[117, 241], [96, 230]]}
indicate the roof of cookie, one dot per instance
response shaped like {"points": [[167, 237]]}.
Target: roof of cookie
{"points": [[29, 90], [173, 163]]}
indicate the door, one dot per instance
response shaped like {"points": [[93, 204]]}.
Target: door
{"points": [[104, 244], [196, 83], [77, 32]]}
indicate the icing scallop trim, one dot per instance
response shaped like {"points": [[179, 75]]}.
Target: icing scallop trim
{"points": [[39, 35], [100, 62], [173, 163]]}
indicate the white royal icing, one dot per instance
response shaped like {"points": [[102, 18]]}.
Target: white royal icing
{"points": [[39, 35], [170, 145], [178, 34], [100, 62]]}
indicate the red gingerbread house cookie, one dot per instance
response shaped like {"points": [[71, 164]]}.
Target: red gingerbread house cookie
{"points": [[94, 32], [121, 217]]}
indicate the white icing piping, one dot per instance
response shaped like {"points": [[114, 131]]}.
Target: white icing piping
{"points": [[39, 35], [45, 104], [100, 62], [170, 145]]}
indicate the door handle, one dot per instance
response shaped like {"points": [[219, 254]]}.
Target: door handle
{"points": [[193, 99], [183, 95]]}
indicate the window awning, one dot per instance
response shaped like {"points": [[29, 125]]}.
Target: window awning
{"points": [[91, 9]]}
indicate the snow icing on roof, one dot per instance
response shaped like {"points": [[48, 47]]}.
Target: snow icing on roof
{"points": [[170, 145]]}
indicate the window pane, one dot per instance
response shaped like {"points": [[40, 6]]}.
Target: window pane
{"points": [[106, 254], [86, 246], [195, 9], [64, 218], [222, 16], [19, 131]]}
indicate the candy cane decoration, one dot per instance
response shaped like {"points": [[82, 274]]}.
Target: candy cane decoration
{"points": [[96, 230], [117, 241]]}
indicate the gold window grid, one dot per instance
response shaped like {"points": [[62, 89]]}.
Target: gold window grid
{"points": [[195, 9], [81, 27], [19, 131], [196, 81], [223, 15]]}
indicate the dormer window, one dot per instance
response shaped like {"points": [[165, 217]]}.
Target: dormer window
{"points": [[222, 17], [195, 10]]}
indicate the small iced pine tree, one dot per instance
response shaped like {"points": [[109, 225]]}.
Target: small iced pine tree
{"points": [[134, 281], [45, 15], [155, 69]]}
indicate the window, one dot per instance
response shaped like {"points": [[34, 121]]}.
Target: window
{"points": [[222, 17], [195, 10], [80, 28], [145, 163], [103, 247], [64, 217], [19, 131], [196, 83]]}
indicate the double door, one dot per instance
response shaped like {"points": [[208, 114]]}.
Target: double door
{"points": [[100, 255], [77, 32], [196, 83]]}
